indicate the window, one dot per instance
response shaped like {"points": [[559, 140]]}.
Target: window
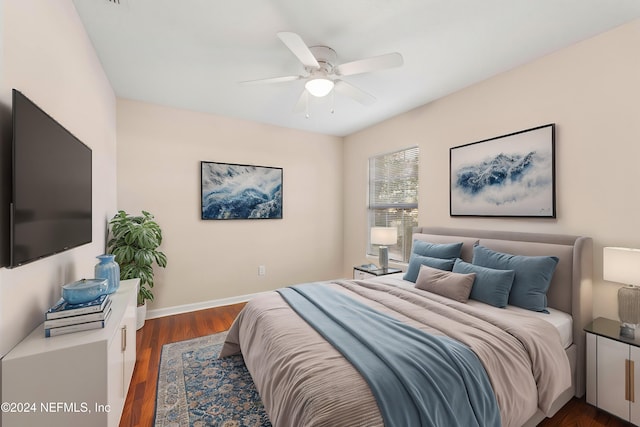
{"points": [[393, 198]]}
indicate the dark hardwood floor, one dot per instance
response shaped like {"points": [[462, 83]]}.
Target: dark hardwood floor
{"points": [[139, 407], [580, 414]]}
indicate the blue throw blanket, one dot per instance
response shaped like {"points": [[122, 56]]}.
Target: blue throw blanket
{"points": [[417, 379]]}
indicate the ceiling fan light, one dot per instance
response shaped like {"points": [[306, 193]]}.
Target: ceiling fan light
{"points": [[319, 87]]}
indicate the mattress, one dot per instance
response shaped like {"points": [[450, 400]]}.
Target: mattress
{"points": [[563, 322]]}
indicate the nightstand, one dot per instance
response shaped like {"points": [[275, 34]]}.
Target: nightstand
{"points": [[611, 372], [370, 270]]}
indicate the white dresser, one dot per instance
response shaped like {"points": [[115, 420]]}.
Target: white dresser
{"points": [[75, 379]]}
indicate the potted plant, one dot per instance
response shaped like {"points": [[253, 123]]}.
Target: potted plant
{"points": [[134, 242]]}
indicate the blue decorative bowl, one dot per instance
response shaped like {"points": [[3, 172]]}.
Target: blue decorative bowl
{"points": [[84, 290]]}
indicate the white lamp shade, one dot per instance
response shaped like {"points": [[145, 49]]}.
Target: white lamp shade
{"points": [[384, 235], [319, 87], [621, 265]]}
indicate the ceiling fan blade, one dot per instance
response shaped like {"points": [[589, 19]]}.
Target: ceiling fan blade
{"points": [[296, 45], [302, 103], [347, 89], [282, 79], [374, 63]]}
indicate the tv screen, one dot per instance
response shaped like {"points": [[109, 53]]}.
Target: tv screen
{"points": [[51, 203]]}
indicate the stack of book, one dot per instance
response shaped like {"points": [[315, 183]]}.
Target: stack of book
{"points": [[65, 318]]}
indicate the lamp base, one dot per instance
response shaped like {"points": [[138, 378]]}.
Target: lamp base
{"points": [[383, 257], [628, 330], [629, 307]]}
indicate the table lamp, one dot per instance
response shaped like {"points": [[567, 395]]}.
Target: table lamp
{"points": [[384, 236], [622, 265]]}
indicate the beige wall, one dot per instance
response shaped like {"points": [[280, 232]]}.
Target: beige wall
{"points": [[159, 154], [590, 90], [48, 56]]}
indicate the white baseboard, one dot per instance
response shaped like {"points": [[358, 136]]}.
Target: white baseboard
{"points": [[187, 308]]}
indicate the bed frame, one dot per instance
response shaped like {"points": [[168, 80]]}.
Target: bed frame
{"points": [[570, 289]]}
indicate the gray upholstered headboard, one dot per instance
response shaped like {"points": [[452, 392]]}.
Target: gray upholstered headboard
{"points": [[570, 289]]}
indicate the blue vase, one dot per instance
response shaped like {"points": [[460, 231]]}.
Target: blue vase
{"points": [[108, 269]]}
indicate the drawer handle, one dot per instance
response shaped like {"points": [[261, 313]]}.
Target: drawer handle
{"points": [[629, 380], [123, 343]]}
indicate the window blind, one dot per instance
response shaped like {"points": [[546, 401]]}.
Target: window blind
{"points": [[393, 198]]}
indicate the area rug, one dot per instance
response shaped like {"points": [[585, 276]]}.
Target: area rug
{"points": [[196, 389]]}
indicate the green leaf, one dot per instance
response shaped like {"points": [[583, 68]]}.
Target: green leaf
{"points": [[144, 257], [128, 271], [144, 294], [161, 258]]}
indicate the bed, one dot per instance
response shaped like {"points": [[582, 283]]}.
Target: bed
{"points": [[534, 362]]}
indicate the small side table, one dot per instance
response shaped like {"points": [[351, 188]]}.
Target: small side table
{"points": [[368, 271], [611, 372]]}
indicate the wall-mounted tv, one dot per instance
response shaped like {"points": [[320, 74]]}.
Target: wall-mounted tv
{"points": [[51, 200]]}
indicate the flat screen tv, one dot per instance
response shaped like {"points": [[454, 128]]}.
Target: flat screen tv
{"points": [[51, 200]]}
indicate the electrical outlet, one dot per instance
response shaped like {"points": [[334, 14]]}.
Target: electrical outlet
{"points": [[262, 270]]}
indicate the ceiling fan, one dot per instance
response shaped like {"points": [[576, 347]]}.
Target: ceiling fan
{"points": [[323, 75]]}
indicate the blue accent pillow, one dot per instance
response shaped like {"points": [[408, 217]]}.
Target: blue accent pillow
{"points": [[437, 250], [415, 261], [533, 275], [491, 286]]}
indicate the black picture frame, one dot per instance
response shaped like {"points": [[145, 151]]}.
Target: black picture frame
{"points": [[511, 175], [238, 191]]}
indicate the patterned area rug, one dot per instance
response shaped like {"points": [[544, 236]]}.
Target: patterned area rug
{"points": [[196, 389]]}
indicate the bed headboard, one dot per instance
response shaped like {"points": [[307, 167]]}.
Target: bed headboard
{"points": [[570, 288]]}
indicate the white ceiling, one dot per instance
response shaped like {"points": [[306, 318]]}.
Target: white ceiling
{"points": [[191, 54]]}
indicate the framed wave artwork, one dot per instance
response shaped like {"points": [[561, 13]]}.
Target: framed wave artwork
{"points": [[507, 176], [233, 191]]}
